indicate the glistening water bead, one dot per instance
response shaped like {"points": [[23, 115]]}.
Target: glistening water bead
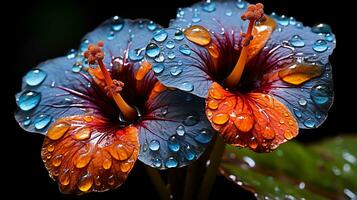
{"points": [[35, 77], [297, 41], [28, 100], [320, 46], [154, 145], [158, 68], [152, 50], [42, 121], [160, 35], [320, 94], [171, 162]]}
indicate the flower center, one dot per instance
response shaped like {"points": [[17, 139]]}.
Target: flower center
{"points": [[95, 54], [254, 13]]}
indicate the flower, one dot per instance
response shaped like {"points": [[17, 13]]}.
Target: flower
{"points": [[98, 120], [262, 80]]}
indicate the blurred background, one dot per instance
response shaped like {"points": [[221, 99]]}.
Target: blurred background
{"points": [[39, 30]]}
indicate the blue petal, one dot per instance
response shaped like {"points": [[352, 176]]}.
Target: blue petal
{"points": [[175, 131], [223, 21], [309, 101]]}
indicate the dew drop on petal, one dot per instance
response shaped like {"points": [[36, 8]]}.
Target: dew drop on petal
{"points": [[220, 119], [117, 23], [302, 102], [85, 183], [58, 130], [320, 94], [42, 121], [297, 112], [310, 123], [283, 20], [28, 100], [198, 35], [34, 77], [171, 55], [27, 121], [241, 4], [244, 122], [170, 44], [209, 6], [171, 162], [158, 68], [320, 46], [82, 134], [268, 133], [184, 49], [299, 73], [179, 35], [329, 37], [321, 28], [157, 162], [180, 130], [189, 153], [297, 41], [191, 120], [111, 35], [135, 54], [154, 145], [151, 26], [175, 71], [173, 144], [152, 50], [57, 160], [71, 54], [204, 136], [160, 35], [187, 87], [76, 67]]}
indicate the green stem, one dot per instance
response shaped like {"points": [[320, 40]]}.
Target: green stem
{"points": [[191, 180], [158, 183], [211, 171]]}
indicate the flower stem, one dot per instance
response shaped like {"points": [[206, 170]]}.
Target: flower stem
{"points": [[211, 171], [191, 180], [159, 184]]}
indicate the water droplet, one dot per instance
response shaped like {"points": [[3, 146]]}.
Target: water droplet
{"points": [[187, 87], [82, 134], [107, 163], [320, 46], [302, 102], [321, 28], [111, 35], [185, 49], [244, 122], [58, 130], [158, 68], [209, 6], [288, 135], [171, 55], [229, 13], [268, 133], [212, 104], [136, 54], [204, 136], [117, 23], [160, 58], [71, 54], [152, 50], [198, 35], [170, 44], [160, 35], [191, 120], [42, 121], [157, 162], [292, 21], [27, 121], [151, 26], [34, 77], [297, 41], [57, 160], [195, 18], [189, 153], [297, 112], [253, 143], [329, 37], [171, 162], [179, 35], [283, 20], [241, 4], [175, 71], [154, 145], [310, 123], [298, 73], [85, 183], [320, 94], [299, 25], [29, 100], [76, 67], [84, 45], [180, 130], [220, 118], [173, 144], [65, 178], [249, 161]]}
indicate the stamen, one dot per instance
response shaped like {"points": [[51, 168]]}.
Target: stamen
{"points": [[254, 13], [95, 54]]}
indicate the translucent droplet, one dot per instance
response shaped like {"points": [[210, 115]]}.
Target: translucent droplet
{"points": [[198, 35], [71, 54], [297, 41], [57, 160], [302, 102], [42, 121], [187, 87], [157, 162], [152, 50], [154, 145], [171, 55], [292, 21], [76, 67], [229, 13], [299, 25], [310, 123], [82, 134], [160, 35], [29, 100], [117, 23], [283, 20], [151, 26], [191, 120], [297, 113], [34, 77], [298, 73], [158, 68], [57, 130], [320, 46], [241, 4], [171, 162], [320, 94], [184, 49], [175, 71], [85, 183], [209, 6], [329, 37], [136, 54], [204, 136], [84, 45], [179, 35], [221, 118], [244, 122], [189, 153], [196, 18], [180, 130], [173, 144], [170, 44], [111, 35], [27, 121], [321, 28]]}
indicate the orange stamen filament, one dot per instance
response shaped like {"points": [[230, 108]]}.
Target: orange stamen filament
{"points": [[254, 13], [129, 112]]}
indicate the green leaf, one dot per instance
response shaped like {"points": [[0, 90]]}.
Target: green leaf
{"points": [[324, 170]]}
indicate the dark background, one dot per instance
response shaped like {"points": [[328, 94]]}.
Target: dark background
{"points": [[39, 30]]}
